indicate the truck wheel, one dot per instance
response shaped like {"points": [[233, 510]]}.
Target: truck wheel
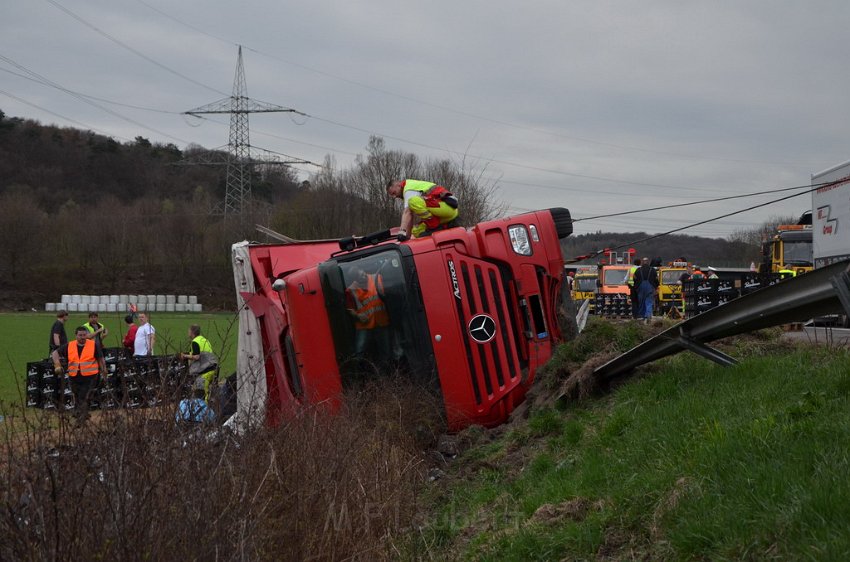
{"points": [[563, 221], [567, 315]]}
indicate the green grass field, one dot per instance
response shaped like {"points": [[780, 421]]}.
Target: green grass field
{"points": [[25, 337], [692, 462]]}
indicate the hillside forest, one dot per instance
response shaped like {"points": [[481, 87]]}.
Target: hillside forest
{"points": [[82, 213]]}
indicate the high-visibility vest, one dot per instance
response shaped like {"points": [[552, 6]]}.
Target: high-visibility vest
{"points": [[368, 302], [91, 328], [431, 192], [631, 281], [84, 365], [787, 273], [203, 344]]}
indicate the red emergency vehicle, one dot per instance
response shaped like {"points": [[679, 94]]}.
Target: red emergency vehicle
{"points": [[474, 313]]}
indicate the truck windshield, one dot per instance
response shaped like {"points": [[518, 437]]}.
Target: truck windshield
{"points": [[616, 276], [798, 252], [671, 276], [586, 284], [376, 316]]}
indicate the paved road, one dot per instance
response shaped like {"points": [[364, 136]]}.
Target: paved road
{"points": [[821, 336]]}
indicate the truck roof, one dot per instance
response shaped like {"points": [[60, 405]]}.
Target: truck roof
{"points": [[830, 169]]}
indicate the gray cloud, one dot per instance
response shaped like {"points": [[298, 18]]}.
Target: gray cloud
{"points": [[705, 98]]}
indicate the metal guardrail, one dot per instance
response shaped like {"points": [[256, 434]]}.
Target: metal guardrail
{"points": [[818, 293]]}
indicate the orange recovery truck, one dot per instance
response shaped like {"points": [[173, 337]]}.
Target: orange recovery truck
{"points": [[471, 313], [613, 296]]}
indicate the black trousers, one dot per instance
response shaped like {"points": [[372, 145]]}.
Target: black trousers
{"points": [[82, 388]]}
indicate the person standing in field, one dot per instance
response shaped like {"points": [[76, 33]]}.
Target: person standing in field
{"points": [[130, 337], [85, 362], [97, 331], [145, 340], [58, 336]]}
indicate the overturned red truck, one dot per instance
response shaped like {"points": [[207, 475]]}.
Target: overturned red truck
{"points": [[472, 313]]}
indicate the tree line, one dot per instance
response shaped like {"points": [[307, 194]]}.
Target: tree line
{"points": [[83, 213]]}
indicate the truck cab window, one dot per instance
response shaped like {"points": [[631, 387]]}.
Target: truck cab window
{"points": [[377, 321]]}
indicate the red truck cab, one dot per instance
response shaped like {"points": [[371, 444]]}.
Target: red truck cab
{"points": [[473, 314]]}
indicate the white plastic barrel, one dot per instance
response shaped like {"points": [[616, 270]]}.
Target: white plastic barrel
{"points": [[182, 299], [160, 307], [160, 299], [170, 299], [112, 307], [151, 299], [193, 299], [50, 307], [101, 307], [114, 299], [180, 307], [72, 306], [169, 307], [125, 299], [66, 298]]}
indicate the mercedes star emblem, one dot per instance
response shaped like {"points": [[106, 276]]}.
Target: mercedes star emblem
{"points": [[482, 328]]}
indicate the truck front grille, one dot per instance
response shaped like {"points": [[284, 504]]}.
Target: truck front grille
{"points": [[493, 365]]}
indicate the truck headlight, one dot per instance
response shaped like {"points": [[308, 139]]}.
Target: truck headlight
{"points": [[519, 239]]}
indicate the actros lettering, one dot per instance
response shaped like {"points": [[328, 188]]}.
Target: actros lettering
{"points": [[455, 287]]}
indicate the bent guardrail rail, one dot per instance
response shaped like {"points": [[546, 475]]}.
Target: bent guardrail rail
{"points": [[820, 292]]}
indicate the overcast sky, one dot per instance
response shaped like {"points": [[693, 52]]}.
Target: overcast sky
{"points": [[597, 106]]}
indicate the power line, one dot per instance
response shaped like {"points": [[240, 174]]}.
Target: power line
{"points": [[131, 49], [461, 112], [75, 93], [14, 97], [696, 202], [498, 161], [49, 82], [653, 237]]}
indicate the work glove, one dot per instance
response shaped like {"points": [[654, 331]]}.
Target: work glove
{"points": [[402, 236]]}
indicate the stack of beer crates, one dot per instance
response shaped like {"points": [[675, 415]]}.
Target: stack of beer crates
{"points": [[613, 305], [129, 382]]}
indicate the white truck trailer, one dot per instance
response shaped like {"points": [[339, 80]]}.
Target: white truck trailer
{"points": [[831, 215]]}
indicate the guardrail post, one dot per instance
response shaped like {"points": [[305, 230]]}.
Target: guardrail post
{"points": [[841, 283], [708, 352]]}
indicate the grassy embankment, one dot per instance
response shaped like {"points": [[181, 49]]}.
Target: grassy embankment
{"points": [[695, 461], [25, 337]]}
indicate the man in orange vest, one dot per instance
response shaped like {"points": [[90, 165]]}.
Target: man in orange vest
{"points": [[84, 357], [365, 304]]}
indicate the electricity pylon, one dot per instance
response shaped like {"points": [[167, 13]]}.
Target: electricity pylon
{"points": [[239, 161]]}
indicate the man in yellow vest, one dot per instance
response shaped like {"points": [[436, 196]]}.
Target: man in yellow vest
{"points": [[432, 205], [96, 330], [787, 272], [84, 357], [365, 304], [633, 294], [202, 360]]}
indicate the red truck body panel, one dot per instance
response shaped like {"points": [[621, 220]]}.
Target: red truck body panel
{"points": [[483, 317]]}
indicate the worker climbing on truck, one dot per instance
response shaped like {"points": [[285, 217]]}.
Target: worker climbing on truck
{"points": [[434, 206]]}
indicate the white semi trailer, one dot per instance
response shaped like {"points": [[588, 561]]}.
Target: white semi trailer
{"points": [[831, 215]]}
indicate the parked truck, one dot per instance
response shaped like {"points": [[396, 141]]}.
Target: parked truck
{"points": [[790, 247], [613, 294], [669, 293], [831, 215], [472, 314], [584, 283]]}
